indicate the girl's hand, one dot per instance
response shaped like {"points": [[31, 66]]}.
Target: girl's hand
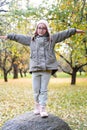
{"points": [[79, 31], [3, 37]]}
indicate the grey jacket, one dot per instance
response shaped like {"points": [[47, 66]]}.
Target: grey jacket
{"points": [[42, 55]]}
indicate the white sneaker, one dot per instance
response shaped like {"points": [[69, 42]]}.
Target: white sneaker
{"points": [[43, 112], [37, 109]]}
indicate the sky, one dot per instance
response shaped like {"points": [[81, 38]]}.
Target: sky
{"points": [[38, 2], [35, 3]]}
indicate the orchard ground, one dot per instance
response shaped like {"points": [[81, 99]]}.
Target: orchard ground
{"points": [[68, 102]]}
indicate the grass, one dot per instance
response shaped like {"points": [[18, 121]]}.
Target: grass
{"points": [[59, 75], [66, 101]]}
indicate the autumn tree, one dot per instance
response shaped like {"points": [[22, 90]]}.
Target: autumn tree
{"points": [[13, 22], [68, 14], [6, 61]]}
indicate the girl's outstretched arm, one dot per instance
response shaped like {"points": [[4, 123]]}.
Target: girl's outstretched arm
{"points": [[62, 35], [25, 40]]}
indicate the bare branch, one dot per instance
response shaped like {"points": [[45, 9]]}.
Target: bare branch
{"points": [[64, 70], [3, 3], [84, 2], [3, 10], [65, 60]]}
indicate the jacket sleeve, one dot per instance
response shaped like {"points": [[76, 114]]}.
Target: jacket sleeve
{"points": [[62, 35], [25, 40]]}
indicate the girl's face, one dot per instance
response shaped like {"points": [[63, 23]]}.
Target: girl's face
{"points": [[41, 29]]}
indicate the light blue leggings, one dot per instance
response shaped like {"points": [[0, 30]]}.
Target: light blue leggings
{"points": [[40, 82]]}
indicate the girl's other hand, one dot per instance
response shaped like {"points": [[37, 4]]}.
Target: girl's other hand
{"points": [[3, 37], [79, 31]]}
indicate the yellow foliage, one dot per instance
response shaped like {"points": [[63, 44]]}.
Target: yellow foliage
{"points": [[63, 6]]}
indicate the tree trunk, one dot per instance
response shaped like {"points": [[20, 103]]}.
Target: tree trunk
{"points": [[20, 70], [73, 77], [24, 73], [15, 71], [5, 76]]}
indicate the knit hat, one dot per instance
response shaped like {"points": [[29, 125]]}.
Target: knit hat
{"points": [[43, 22]]}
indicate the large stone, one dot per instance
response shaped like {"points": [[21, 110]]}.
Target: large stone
{"points": [[29, 121]]}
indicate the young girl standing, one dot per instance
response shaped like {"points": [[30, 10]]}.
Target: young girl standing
{"points": [[43, 61]]}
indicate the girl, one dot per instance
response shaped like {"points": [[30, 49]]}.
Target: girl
{"points": [[43, 62]]}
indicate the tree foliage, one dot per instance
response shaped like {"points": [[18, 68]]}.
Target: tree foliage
{"points": [[68, 14]]}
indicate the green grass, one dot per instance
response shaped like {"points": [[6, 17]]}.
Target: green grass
{"points": [[66, 101], [59, 75], [10, 76], [64, 75]]}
